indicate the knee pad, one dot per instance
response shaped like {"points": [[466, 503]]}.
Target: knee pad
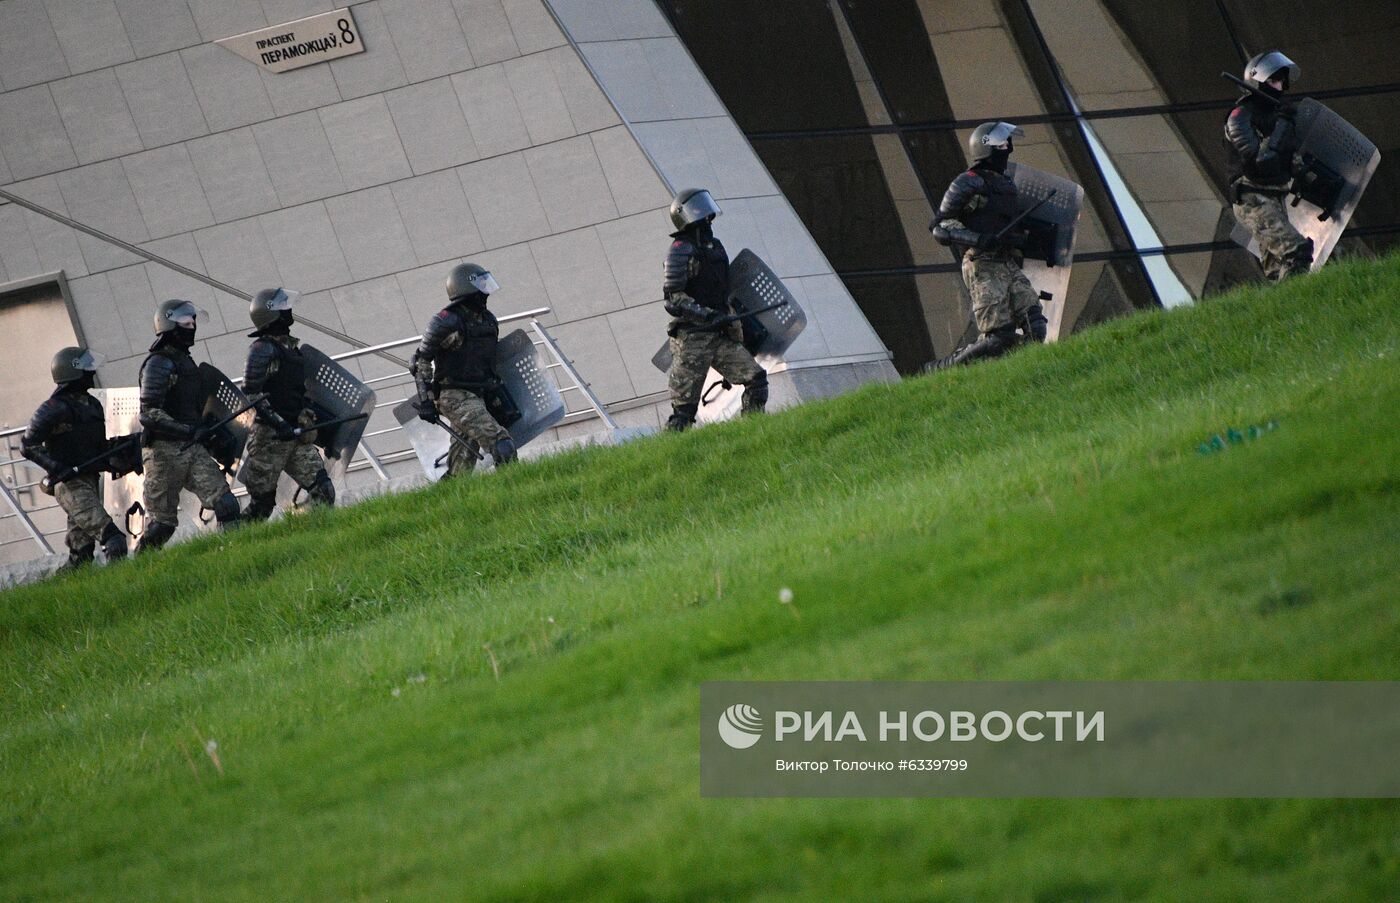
{"points": [[155, 535], [226, 509], [322, 490], [682, 417], [504, 452], [260, 505]]}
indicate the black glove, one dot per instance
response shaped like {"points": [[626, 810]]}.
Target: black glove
{"points": [[59, 476], [426, 410], [713, 316], [987, 241], [200, 435], [284, 430]]}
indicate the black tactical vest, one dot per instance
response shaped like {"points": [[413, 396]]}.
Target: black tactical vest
{"points": [[710, 283], [286, 387], [1000, 206], [84, 435], [184, 396], [472, 363]]}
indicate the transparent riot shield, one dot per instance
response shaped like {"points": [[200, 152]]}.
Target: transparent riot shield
{"points": [[1049, 250], [1332, 167]]}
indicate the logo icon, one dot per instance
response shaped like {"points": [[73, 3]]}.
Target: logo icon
{"points": [[740, 726]]}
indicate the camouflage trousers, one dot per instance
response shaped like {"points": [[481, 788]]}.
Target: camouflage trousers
{"points": [[693, 353], [168, 469], [467, 414], [266, 458], [81, 499], [1283, 250], [1001, 293]]}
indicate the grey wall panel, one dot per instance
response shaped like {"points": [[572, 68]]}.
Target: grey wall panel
{"points": [[300, 89], [303, 243], [299, 158], [429, 120], [91, 33], [95, 116], [577, 278], [29, 49], [158, 26], [161, 99], [234, 175], [365, 142], [379, 68], [221, 18], [167, 191], [491, 111], [439, 221], [33, 140], [230, 91], [503, 198], [488, 30], [371, 233], [428, 37]]}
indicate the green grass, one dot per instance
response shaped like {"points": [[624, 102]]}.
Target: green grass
{"points": [[1046, 516]]}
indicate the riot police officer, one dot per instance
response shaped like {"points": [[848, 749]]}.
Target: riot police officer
{"points": [[972, 219], [696, 288], [1260, 141], [70, 429], [454, 369], [172, 411], [277, 368]]}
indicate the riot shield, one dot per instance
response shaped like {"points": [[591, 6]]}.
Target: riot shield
{"points": [[754, 286], [534, 394], [1049, 250], [123, 411], [1332, 167], [333, 393], [430, 442], [222, 398], [528, 389]]}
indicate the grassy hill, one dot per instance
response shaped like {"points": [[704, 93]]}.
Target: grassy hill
{"points": [[488, 689]]}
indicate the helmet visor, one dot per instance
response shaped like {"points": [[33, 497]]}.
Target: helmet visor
{"points": [[699, 206], [88, 360], [1001, 133], [1270, 65], [185, 316], [485, 283], [283, 300]]}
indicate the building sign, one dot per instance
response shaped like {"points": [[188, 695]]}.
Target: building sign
{"points": [[305, 42]]}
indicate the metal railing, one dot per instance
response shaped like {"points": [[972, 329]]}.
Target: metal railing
{"points": [[367, 459]]}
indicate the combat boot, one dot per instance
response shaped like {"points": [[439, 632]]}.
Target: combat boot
{"points": [[682, 417], [260, 506], [755, 395], [77, 558]]}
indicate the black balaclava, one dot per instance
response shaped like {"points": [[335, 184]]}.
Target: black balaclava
{"points": [[998, 158], [280, 326], [180, 337], [87, 381], [704, 229]]}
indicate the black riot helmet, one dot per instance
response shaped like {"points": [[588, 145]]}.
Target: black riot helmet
{"points": [[73, 363], [692, 205], [1269, 64], [990, 137], [270, 305], [176, 314], [469, 279]]}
